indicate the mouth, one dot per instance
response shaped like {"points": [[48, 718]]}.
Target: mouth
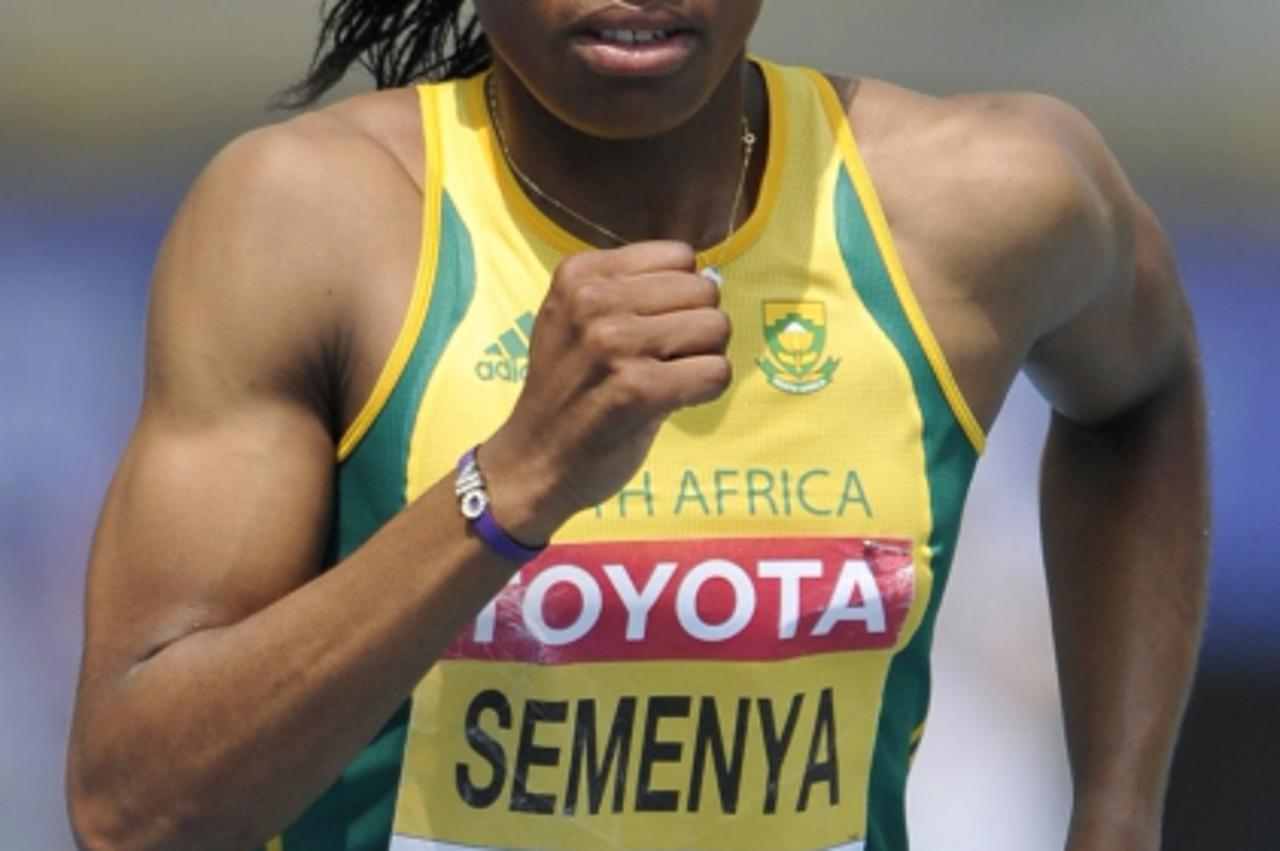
{"points": [[634, 52], [633, 37]]}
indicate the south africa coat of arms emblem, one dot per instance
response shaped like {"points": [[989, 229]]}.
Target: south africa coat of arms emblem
{"points": [[796, 333]]}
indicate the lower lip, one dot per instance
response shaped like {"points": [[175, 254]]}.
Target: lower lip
{"points": [[635, 60]]}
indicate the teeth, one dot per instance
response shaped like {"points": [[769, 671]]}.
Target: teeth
{"points": [[635, 36]]}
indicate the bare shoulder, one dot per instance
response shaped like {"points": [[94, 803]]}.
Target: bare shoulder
{"points": [[1013, 220], [296, 185], [1015, 141], [994, 181], [267, 255], [1027, 244]]}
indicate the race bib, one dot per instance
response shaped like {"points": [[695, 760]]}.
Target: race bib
{"points": [[710, 694]]}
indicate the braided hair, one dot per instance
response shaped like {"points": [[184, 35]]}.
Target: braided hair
{"points": [[398, 41]]}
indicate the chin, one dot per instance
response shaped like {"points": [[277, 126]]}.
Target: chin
{"points": [[622, 108]]}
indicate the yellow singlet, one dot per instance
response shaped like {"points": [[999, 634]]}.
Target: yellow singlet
{"points": [[732, 652]]}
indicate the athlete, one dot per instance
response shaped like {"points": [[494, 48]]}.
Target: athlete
{"points": [[728, 337]]}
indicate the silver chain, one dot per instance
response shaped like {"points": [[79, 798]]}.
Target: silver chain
{"points": [[748, 148]]}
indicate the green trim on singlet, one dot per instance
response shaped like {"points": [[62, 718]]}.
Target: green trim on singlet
{"points": [[356, 813], [374, 478], [950, 460]]}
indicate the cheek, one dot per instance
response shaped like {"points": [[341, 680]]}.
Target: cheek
{"points": [[520, 32], [510, 23], [736, 18]]}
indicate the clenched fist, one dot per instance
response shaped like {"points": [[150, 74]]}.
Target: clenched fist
{"points": [[624, 338]]}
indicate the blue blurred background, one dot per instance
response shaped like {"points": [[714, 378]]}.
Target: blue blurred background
{"points": [[108, 111]]}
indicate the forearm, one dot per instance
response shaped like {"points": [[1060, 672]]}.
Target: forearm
{"points": [[225, 735], [222, 737], [1125, 524]]}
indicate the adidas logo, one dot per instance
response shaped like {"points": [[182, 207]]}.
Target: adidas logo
{"points": [[508, 359]]}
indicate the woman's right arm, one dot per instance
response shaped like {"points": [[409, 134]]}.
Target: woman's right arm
{"points": [[226, 680]]}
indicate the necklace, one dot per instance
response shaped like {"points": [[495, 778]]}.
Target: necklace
{"points": [[748, 148]]}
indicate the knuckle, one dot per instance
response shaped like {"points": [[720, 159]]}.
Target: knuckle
{"points": [[714, 377], [713, 381], [570, 269], [721, 326], [681, 253], [603, 338], [710, 291], [587, 301], [631, 386], [722, 374], [713, 331]]}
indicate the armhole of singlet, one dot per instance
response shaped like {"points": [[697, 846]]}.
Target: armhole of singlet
{"points": [[424, 280], [840, 126]]}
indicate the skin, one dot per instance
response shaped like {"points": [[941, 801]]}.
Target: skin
{"points": [[204, 679]]}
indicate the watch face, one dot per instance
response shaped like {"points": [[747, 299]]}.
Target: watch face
{"points": [[473, 504]]}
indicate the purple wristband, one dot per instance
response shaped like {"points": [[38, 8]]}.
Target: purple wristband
{"points": [[473, 502]]}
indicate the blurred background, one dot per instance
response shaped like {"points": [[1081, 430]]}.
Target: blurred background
{"points": [[108, 111]]}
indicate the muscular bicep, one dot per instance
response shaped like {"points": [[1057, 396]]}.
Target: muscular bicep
{"points": [[1131, 340], [220, 504], [1113, 325], [203, 526]]}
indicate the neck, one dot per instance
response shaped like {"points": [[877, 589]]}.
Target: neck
{"points": [[678, 185]]}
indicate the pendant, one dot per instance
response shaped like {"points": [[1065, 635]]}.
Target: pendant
{"points": [[712, 274]]}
